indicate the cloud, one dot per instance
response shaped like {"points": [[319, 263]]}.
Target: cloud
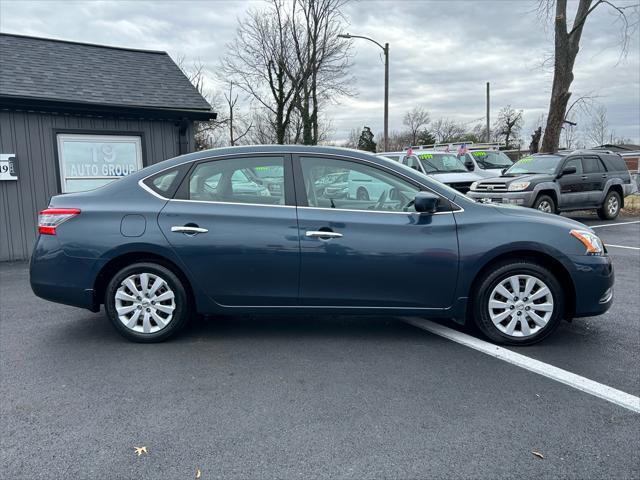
{"points": [[442, 52]]}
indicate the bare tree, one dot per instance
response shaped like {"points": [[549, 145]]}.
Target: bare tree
{"points": [[597, 131], [447, 130], [233, 121], [567, 45], [259, 60], [322, 59], [415, 120], [206, 134], [508, 125], [352, 140]]}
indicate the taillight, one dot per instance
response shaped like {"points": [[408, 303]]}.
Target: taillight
{"points": [[51, 218]]}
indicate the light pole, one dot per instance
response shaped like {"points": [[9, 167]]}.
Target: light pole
{"points": [[385, 49]]}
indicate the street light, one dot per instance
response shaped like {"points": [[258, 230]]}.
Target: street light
{"points": [[385, 49]]}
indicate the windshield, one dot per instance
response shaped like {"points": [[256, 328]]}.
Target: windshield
{"points": [[491, 159], [441, 162], [535, 164]]}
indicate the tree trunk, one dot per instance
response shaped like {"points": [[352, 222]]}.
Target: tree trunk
{"points": [[566, 49]]}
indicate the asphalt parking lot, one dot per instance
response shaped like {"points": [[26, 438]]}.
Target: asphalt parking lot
{"points": [[310, 397]]}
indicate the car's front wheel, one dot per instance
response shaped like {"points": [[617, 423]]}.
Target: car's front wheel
{"points": [[146, 302], [518, 303], [610, 207], [545, 203]]}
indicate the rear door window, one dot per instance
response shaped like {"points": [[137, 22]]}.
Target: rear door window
{"points": [[255, 180], [592, 165]]}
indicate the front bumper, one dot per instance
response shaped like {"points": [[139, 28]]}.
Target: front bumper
{"points": [[593, 279], [523, 199]]}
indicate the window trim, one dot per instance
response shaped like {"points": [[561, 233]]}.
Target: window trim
{"points": [[292, 159], [57, 132]]}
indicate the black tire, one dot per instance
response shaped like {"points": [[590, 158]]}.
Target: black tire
{"points": [[610, 208], [180, 302], [362, 194], [545, 203], [501, 272]]}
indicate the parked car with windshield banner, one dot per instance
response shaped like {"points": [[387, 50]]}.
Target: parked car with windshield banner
{"points": [[488, 163], [446, 167], [560, 182]]}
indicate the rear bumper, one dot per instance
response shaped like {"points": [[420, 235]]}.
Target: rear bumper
{"points": [[524, 199], [593, 279], [59, 278]]}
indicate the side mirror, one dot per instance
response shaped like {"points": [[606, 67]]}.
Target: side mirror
{"points": [[470, 166], [568, 171], [425, 202]]}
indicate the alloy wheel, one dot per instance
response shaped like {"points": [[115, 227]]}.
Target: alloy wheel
{"points": [[520, 306], [544, 206], [145, 303], [612, 205]]}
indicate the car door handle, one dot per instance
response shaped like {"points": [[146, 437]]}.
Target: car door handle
{"points": [[323, 235], [188, 230], [584, 177]]}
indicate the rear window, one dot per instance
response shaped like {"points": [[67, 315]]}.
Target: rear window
{"points": [[614, 163], [164, 183]]}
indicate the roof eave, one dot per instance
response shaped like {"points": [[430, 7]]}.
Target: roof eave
{"points": [[88, 108]]}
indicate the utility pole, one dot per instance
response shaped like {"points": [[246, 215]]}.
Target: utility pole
{"points": [[488, 117], [386, 97]]}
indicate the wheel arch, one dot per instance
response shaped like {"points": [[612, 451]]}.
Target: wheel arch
{"points": [[615, 187], [544, 259], [118, 262], [551, 192]]}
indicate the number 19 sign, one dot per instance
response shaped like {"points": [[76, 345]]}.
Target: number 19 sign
{"points": [[8, 167]]}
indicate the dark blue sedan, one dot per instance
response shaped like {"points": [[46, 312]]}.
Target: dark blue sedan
{"points": [[246, 230]]}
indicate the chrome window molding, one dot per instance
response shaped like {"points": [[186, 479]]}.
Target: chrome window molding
{"points": [[230, 203], [379, 211], [301, 153]]}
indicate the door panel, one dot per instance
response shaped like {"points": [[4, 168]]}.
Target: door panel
{"points": [[245, 254], [572, 187], [381, 259], [596, 177], [377, 254]]}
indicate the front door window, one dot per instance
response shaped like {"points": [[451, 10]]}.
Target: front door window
{"points": [[344, 185]]}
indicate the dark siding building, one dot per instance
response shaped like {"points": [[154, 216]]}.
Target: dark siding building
{"points": [[75, 116]]}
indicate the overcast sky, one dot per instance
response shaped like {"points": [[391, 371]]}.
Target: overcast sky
{"points": [[442, 52]]}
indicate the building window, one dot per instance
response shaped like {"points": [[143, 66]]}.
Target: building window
{"points": [[91, 161]]}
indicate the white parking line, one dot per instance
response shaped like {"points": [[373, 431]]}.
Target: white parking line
{"points": [[591, 387], [614, 224], [621, 246]]}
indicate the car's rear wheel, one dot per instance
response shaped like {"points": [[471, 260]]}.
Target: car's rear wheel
{"points": [[362, 194], [518, 303], [146, 302], [611, 206], [545, 203]]}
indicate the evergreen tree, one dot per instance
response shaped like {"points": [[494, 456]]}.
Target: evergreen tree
{"points": [[366, 142]]}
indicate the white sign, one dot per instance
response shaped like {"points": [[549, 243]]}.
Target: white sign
{"points": [[90, 161], [8, 167]]}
